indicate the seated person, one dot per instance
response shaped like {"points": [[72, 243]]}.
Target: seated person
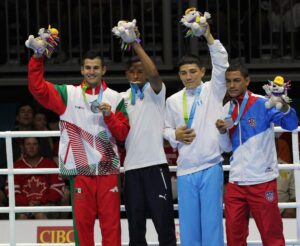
{"points": [[36, 189]]}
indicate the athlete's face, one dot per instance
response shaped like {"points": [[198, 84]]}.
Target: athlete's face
{"points": [[92, 71], [135, 73], [191, 75], [236, 83]]}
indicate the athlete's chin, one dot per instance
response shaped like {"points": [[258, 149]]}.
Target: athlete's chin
{"points": [[92, 83]]}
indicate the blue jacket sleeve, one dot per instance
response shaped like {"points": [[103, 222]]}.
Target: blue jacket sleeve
{"points": [[288, 120]]}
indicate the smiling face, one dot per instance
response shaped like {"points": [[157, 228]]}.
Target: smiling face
{"points": [[92, 71], [236, 83], [191, 75]]}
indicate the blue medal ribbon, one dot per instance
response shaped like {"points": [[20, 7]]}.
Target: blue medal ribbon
{"points": [[135, 89], [241, 111], [189, 119]]}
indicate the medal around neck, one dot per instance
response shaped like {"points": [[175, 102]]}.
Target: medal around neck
{"points": [[95, 106], [96, 103], [229, 122]]}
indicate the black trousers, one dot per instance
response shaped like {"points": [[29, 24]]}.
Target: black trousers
{"points": [[147, 191]]}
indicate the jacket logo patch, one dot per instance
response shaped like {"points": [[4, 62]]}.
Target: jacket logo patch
{"points": [[78, 194], [79, 107], [252, 122], [269, 196], [268, 169]]}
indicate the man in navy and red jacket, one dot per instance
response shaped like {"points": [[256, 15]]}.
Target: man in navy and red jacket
{"points": [[252, 183]]}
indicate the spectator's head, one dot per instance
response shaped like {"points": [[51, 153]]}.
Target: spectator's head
{"points": [[134, 71], [31, 147], [92, 68], [24, 116], [40, 122], [191, 71], [237, 80]]}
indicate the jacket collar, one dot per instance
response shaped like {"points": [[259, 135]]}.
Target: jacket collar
{"points": [[97, 88]]}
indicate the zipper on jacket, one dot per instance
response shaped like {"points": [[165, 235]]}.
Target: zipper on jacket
{"points": [[94, 137], [163, 178], [240, 139]]}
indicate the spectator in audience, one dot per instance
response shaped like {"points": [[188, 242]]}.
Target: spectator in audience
{"points": [[36, 189], [252, 183], [24, 122], [145, 159], [189, 127], [285, 180], [40, 123]]}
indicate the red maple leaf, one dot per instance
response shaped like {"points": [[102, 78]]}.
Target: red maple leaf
{"points": [[34, 187]]}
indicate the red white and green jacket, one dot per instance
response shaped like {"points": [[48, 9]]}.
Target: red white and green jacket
{"points": [[87, 140]]}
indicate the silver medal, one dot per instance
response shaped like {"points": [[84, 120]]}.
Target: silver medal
{"points": [[95, 106], [229, 122]]}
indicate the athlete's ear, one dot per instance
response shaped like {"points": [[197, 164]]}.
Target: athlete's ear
{"points": [[103, 70]]}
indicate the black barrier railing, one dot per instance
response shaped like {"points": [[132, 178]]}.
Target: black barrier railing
{"points": [[263, 33]]}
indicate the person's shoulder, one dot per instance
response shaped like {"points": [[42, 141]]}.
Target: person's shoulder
{"points": [[258, 98], [46, 162], [125, 94], [19, 164], [112, 92], [176, 96]]}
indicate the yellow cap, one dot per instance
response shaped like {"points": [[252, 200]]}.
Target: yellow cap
{"points": [[190, 10], [279, 80]]}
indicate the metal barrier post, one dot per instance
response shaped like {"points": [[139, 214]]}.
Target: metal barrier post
{"points": [[295, 148], [11, 189]]}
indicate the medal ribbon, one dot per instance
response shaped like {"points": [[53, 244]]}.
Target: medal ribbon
{"points": [[241, 111], [189, 119], [135, 89]]}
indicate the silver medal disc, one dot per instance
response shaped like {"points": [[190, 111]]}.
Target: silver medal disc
{"points": [[229, 122], [95, 106]]}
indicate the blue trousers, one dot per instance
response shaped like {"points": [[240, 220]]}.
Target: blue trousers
{"points": [[200, 199]]}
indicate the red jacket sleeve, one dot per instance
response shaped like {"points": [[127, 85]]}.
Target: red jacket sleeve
{"points": [[43, 91], [118, 122]]}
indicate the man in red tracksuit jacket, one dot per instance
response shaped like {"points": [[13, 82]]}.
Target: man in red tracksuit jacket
{"points": [[36, 189], [92, 119]]}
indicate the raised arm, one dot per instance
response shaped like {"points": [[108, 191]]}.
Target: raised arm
{"points": [[219, 60], [44, 92], [149, 68]]}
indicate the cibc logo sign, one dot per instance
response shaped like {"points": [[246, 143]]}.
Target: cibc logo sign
{"points": [[55, 234]]}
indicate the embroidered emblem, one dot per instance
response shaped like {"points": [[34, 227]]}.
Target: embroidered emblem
{"points": [[163, 197], [115, 189], [269, 196], [252, 122], [79, 194], [268, 169]]}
